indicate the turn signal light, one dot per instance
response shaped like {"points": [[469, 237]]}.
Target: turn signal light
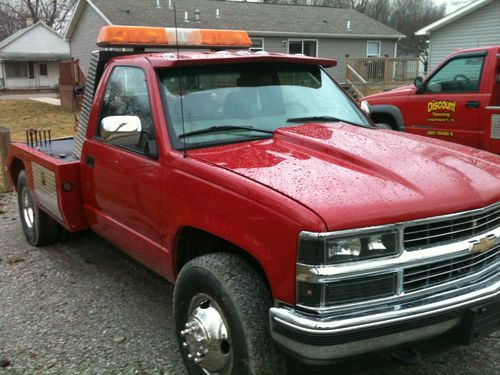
{"points": [[141, 36]]}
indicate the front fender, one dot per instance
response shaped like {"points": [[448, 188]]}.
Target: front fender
{"points": [[260, 221]]}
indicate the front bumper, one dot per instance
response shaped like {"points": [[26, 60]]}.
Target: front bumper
{"points": [[321, 339]]}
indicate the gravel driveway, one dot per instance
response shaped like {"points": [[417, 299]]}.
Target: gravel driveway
{"points": [[83, 307]]}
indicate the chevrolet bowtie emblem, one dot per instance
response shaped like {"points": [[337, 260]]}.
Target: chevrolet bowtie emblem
{"points": [[484, 244]]}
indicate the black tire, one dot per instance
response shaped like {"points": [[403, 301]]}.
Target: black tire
{"points": [[39, 228], [231, 285], [382, 125]]}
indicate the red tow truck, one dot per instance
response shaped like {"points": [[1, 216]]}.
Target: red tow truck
{"points": [[288, 222], [459, 101]]}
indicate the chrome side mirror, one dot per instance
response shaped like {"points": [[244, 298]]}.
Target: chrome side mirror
{"points": [[419, 84], [121, 130]]}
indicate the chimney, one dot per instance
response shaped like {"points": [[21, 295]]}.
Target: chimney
{"points": [[158, 4], [217, 13], [197, 15], [170, 6], [186, 16], [349, 26], [29, 21]]}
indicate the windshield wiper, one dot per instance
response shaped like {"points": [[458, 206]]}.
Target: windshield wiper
{"points": [[322, 119], [223, 128]]}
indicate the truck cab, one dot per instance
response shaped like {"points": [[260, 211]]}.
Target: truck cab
{"points": [[459, 101]]}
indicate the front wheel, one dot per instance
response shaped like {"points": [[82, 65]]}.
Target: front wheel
{"points": [[221, 307]]}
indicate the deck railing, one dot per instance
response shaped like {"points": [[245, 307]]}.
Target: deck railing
{"points": [[357, 83], [383, 69]]}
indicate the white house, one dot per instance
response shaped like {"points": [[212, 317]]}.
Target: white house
{"points": [[474, 25], [29, 58]]}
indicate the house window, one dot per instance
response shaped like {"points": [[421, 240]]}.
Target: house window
{"points": [[43, 69], [257, 44], [16, 70], [373, 48], [308, 47]]}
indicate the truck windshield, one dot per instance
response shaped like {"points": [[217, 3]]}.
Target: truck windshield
{"points": [[239, 102]]}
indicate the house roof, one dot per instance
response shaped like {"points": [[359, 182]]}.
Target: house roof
{"points": [[256, 18], [459, 13], [34, 57], [21, 32]]}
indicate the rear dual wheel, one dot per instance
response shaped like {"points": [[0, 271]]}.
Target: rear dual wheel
{"points": [[221, 306], [39, 228]]}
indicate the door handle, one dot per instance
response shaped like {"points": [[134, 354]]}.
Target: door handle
{"points": [[90, 161], [472, 104]]}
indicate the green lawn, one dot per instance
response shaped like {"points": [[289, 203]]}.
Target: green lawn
{"points": [[19, 115]]}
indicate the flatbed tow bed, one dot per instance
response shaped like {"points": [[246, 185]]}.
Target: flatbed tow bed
{"points": [[59, 148]]}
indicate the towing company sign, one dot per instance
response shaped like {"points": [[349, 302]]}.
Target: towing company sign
{"points": [[441, 110]]}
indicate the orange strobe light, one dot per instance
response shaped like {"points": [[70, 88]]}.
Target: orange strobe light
{"points": [[140, 36]]}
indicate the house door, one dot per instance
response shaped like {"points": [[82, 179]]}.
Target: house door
{"points": [[43, 76]]}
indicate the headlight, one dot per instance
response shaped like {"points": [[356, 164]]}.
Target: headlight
{"points": [[318, 250], [365, 106]]}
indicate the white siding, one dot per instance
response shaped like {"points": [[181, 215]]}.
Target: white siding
{"points": [[333, 49], [38, 40], [20, 83], [477, 29], [50, 81]]}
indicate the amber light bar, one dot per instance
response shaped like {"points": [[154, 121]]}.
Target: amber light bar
{"points": [[141, 36]]}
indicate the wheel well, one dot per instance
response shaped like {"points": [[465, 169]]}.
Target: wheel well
{"points": [[14, 169], [384, 118], [193, 242]]}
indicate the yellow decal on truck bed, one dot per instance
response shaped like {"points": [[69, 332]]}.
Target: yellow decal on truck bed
{"points": [[443, 133]]}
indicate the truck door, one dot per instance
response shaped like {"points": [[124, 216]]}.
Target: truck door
{"points": [[492, 114], [449, 104], [122, 189]]}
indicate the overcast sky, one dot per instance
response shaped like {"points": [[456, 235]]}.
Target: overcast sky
{"points": [[452, 5]]}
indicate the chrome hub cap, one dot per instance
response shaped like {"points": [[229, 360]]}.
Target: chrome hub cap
{"points": [[206, 336], [27, 208]]}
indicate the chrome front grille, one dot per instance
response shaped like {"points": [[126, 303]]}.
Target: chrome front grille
{"points": [[432, 233], [427, 275]]}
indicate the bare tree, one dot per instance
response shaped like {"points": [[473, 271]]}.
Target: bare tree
{"points": [[409, 16], [17, 14], [9, 23]]}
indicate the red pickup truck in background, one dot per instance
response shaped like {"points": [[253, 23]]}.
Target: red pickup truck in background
{"points": [[287, 221], [459, 101]]}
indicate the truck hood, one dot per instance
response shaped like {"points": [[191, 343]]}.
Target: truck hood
{"points": [[399, 91], [355, 177]]}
